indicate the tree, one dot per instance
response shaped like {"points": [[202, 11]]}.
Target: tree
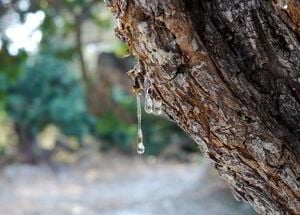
{"points": [[64, 20], [228, 73], [62, 42], [46, 93]]}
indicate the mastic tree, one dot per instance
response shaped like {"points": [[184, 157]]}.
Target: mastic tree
{"points": [[228, 73]]}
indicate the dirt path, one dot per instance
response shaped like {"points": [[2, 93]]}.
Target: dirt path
{"points": [[115, 186]]}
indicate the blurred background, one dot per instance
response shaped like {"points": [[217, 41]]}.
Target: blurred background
{"points": [[68, 124]]}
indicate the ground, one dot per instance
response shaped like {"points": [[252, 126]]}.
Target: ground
{"points": [[116, 185]]}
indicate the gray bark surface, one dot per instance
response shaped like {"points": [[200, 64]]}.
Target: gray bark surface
{"points": [[228, 73]]}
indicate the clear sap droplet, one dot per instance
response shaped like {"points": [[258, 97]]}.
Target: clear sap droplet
{"points": [[284, 4], [140, 145], [148, 103], [140, 149], [157, 106]]}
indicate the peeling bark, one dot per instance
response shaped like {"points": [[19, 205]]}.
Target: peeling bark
{"points": [[228, 73]]}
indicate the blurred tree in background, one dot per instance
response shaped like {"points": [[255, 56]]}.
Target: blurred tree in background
{"points": [[47, 93], [60, 65]]}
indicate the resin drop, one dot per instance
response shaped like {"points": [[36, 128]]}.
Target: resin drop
{"points": [[284, 4], [157, 106], [148, 103], [140, 144]]}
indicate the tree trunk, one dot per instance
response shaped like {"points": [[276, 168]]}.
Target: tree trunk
{"points": [[228, 73], [27, 145], [79, 49]]}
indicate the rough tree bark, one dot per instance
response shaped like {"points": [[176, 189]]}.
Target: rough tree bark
{"points": [[228, 73]]}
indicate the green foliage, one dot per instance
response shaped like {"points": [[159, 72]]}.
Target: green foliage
{"points": [[11, 66], [10, 69], [49, 93], [115, 132], [120, 49], [158, 133], [122, 98]]}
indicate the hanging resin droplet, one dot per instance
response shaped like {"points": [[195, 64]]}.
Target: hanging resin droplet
{"points": [[140, 144], [157, 106], [148, 103], [284, 4]]}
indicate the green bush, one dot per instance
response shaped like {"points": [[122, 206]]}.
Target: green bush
{"points": [[49, 93], [115, 132]]}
